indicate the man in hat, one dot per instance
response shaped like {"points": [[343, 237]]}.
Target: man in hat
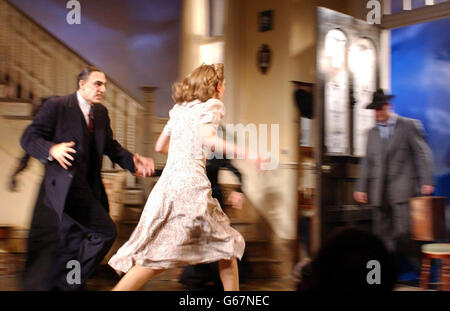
{"points": [[397, 166]]}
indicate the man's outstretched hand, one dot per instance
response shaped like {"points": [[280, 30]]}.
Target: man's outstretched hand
{"points": [[61, 153], [236, 199], [144, 167], [427, 189], [360, 197]]}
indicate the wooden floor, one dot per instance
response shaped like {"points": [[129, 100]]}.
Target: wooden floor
{"points": [[168, 281], [270, 260], [164, 282]]}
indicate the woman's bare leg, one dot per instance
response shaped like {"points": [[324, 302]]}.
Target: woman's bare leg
{"points": [[229, 274], [135, 278]]}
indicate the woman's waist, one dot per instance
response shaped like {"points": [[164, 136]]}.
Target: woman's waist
{"points": [[186, 160]]}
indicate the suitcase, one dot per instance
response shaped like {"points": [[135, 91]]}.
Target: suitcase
{"points": [[428, 218]]}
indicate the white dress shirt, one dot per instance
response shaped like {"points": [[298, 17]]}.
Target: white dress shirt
{"points": [[387, 129], [84, 106]]}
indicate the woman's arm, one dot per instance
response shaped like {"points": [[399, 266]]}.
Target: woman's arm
{"points": [[162, 144], [219, 145]]}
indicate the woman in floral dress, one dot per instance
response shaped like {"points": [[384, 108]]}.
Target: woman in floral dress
{"points": [[181, 223]]}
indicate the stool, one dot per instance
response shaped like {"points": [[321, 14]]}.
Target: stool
{"points": [[436, 251]]}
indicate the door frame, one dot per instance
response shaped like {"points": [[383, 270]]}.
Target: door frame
{"points": [[353, 28], [416, 16]]}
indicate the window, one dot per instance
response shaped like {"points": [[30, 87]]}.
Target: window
{"points": [[216, 18], [212, 53]]}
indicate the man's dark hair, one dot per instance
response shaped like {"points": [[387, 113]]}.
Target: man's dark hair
{"points": [[84, 74]]}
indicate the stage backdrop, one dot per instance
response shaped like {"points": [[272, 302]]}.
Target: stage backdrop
{"points": [[420, 79]]}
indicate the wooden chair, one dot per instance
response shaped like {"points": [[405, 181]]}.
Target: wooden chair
{"points": [[436, 251]]}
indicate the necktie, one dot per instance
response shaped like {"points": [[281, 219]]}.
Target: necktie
{"points": [[91, 120]]}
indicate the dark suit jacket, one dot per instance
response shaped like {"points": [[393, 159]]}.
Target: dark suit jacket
{"points": [[394, 171], [60, 120], [212, 171]]}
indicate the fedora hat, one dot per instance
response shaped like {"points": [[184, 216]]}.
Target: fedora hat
{"points": [[379, 99]]}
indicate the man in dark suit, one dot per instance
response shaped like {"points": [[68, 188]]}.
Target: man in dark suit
{"points": [[397, 166], [70, 135]]}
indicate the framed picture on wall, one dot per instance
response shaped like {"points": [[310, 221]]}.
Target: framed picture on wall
{"points": [[265, 21]]}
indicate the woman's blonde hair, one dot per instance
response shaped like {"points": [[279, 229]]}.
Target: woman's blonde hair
{"points": [[200, 84]]}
